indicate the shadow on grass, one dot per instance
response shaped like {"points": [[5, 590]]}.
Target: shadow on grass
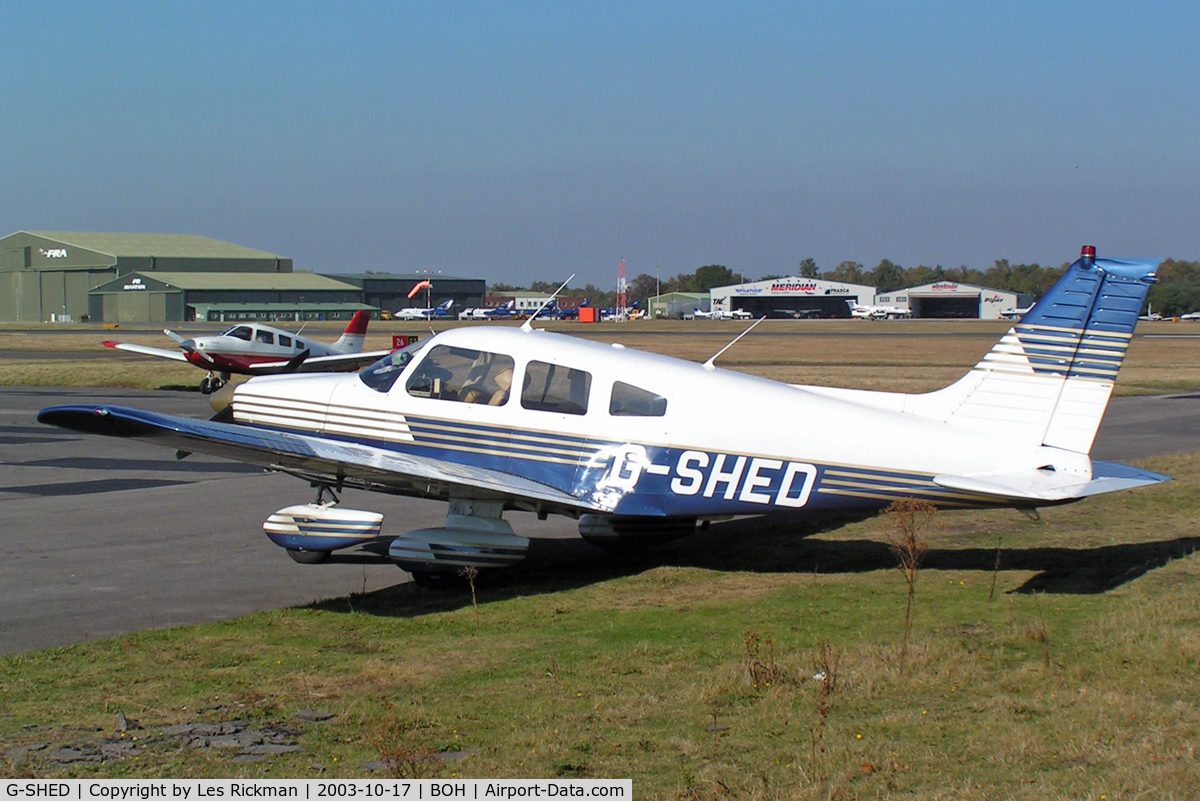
{"points": [[763, 545]]}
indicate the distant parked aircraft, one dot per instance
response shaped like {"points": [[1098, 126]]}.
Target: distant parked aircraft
{"points": [[862, 312], [442, 310], [1015, 314], [256, 349]]}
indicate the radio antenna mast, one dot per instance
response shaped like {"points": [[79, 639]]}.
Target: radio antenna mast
{"points": [[528, 324]]}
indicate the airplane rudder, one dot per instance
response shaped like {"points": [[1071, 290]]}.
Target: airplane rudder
{"points": [[358, 323], [1101, 293], [1049, 378]]}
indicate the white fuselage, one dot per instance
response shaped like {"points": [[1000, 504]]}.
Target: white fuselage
{"points": [[727, 441]]}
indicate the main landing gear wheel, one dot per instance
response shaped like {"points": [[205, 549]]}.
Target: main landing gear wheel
{"points": [[304, 557], [437, 581]]}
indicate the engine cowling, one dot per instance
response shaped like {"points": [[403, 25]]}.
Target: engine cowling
{"points": [[317, 527]]}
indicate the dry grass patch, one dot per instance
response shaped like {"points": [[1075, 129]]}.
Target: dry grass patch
{"points": [[900, 356]]}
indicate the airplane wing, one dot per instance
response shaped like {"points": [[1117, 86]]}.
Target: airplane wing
{"points": [[1047, 486], [316, 459], [338, 362], [162, 353]]}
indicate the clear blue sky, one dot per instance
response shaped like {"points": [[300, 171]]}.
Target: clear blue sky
{"points": [[524, 140]]}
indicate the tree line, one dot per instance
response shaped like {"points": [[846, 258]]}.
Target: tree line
{"points": [[1177, 291]]}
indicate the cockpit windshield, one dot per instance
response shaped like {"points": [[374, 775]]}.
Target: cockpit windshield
{"points": [[381, 375], [240, 332]]}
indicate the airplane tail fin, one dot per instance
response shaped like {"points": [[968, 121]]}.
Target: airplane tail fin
{"points": [[352, 340], [1049, 379]]}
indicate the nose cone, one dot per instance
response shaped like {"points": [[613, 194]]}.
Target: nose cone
{"points": [[194, 350]]}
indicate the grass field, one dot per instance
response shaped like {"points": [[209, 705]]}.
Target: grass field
{"points": [[1050, 658], [900, 356]]}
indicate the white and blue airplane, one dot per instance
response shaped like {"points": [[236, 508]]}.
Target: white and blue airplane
{"points": [[639, 446], [439, 312]]}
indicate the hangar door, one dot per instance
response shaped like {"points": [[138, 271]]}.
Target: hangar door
{"points": [[774, 306], [943, 306]]}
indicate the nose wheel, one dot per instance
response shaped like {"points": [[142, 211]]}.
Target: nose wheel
{"points": [[211, 383]]}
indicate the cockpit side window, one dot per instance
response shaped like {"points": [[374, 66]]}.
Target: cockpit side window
{"points": [[240, 332], [630, 401], [265, 337], [464, 375], [381, 375], [555, 388]]}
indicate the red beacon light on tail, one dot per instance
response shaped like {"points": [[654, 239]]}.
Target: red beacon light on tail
{"points": [[1087, 254]]}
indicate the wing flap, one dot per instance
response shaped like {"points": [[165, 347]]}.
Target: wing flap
{"points": [[312, 457]]}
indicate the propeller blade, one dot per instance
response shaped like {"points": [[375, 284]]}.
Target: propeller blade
{"points": [[178, 339], [189, 346]]}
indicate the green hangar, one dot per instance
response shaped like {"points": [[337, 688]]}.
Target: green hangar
{"points": [[157, 297], [48, 276]]}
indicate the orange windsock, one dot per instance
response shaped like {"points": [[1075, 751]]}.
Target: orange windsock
{"points": [[420, 285]]}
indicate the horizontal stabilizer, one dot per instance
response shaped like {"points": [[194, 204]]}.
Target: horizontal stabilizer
{"points": [[1049, 486]]}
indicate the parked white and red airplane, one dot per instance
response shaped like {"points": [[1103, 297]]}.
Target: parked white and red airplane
{"points": [[256, 349], [637, 446]]}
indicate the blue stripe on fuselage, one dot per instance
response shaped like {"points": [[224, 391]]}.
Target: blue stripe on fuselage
{"points": [[653, 480]]}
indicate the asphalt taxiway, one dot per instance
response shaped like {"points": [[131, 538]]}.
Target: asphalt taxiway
{"points": [[102, 536]]}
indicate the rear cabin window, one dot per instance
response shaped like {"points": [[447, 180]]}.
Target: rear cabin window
{"points": [[555, 388], [286, 341], [630, 401], [265, 337], [463, 375]]}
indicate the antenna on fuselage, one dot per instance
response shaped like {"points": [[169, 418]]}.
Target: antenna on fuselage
{"points": [[528, 324], [708, 365]]}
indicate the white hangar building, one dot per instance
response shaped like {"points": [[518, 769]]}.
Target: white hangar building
{"points": [[791, 297], [943, 299]]}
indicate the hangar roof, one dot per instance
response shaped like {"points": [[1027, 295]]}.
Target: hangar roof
{"points": [[435, 277], [157, 245], [305, 281], [946, 287]]}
